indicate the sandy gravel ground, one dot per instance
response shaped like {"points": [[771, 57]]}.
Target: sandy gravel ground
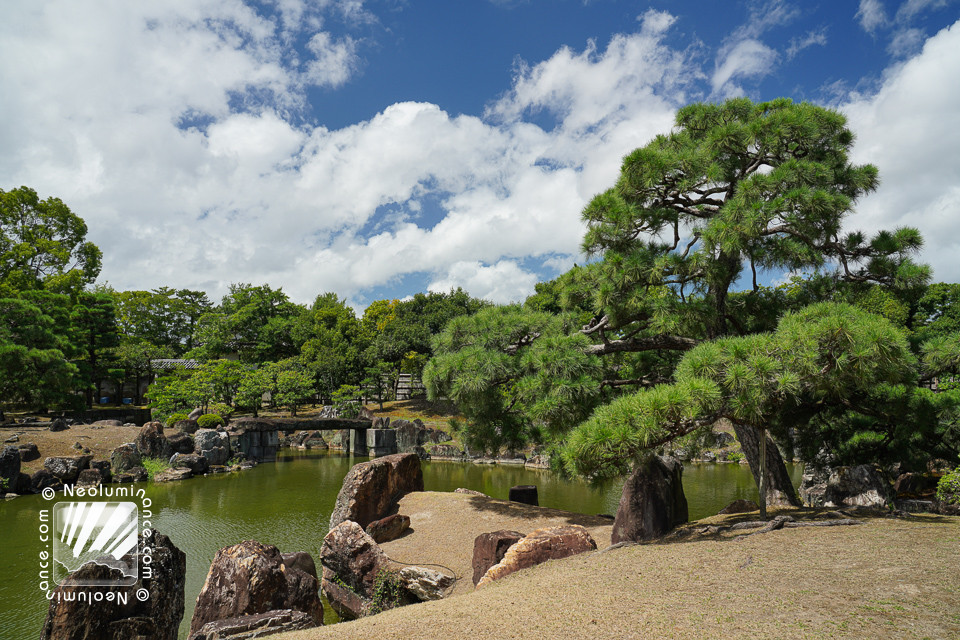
{"points": [[887, 578], [101, 441], [434, 541]]}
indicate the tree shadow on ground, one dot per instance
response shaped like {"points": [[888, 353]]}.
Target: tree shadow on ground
{"points": [[528, 512], [721, 527]]}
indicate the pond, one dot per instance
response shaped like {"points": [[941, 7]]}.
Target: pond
{"points": [[288, 504]]}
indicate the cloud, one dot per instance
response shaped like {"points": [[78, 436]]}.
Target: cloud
{"points": [[816, 37], [335, 60], [743, 55], [908, 130], [175, 130], [745, 59], [871, 15], [500, 283]]}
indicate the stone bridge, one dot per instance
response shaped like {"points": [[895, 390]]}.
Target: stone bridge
{"points": [[259, 438]]}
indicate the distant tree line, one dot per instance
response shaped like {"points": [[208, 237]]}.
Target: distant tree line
{"points": [[62, 337]]}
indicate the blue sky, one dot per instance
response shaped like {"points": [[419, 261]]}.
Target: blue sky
{"points": [[379, 148]]}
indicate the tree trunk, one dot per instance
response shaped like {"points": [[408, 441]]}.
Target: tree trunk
{"points": [[779, 487]]}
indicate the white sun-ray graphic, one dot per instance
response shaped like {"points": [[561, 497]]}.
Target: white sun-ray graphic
{"points": [[101, 532]]}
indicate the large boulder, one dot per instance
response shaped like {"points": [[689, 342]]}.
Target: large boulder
{"points": [[652, 502], [550, 543], [351, 560], [58, 424], [863, 485], [206, 439], [43, 479], [28, 452], [389, 528], [257, 625], [156, 618], [251, 578], [103, 466], [490, 548], [198, 465], [180, 442], [371, 490], [67, 468], [124, 458], [9, 467], [151, 443]]}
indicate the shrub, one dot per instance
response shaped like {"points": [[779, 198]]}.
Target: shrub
{"points": [[210, 421], [948, 489], [735, 456], [174, 418]]}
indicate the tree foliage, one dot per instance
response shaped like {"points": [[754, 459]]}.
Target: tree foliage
{"points": [[43, 245]]}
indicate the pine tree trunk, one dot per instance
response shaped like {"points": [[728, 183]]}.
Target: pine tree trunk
{"points": [[779, 487]]}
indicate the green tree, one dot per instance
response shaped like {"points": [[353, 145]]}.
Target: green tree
{"points": [[255, 322], [43, 245], [332, 344], [294, 387], [94, 328], [734, 189], [824, 359], [34, 370], [254, 383]]}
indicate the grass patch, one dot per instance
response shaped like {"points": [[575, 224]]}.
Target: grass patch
{"points": [[154, 466]]}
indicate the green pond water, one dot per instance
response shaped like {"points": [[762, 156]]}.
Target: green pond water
{"points": [[288, 504]]}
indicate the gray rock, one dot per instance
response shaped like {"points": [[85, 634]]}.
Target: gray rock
{"points": [[89, 478], [172, 475], [216, 456], [65, 468], [195, 414], [198, 465], [28, 452], [652, 502], [12, 439], [425, 584], [205, 439], [58, 424], [862, 485], [124, 458], [10, 466], [257, 625]]}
